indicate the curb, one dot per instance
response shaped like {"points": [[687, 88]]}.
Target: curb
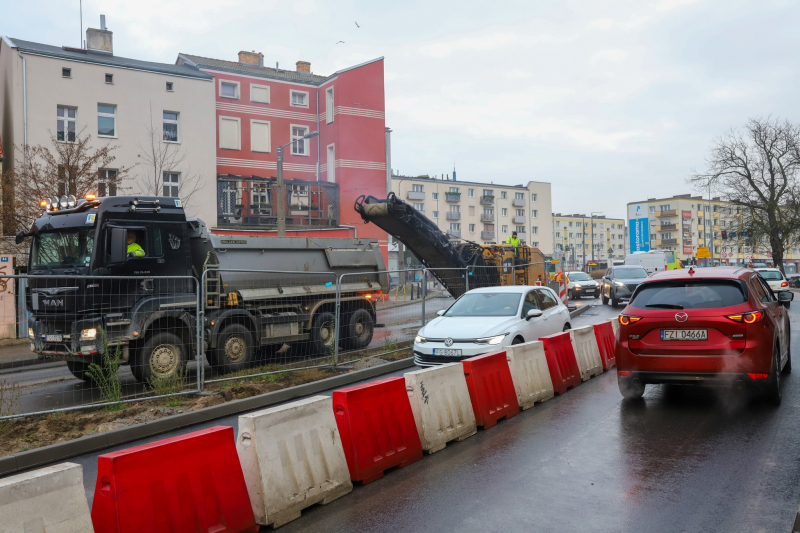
{"points": [[579, 311], [64, 450], [29, 364]]}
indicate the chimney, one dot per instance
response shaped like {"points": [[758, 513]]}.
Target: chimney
{"points": [[304, 67], [100, 40], [251, 58]]}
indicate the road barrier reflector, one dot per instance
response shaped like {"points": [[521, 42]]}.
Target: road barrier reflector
{"points": [[491, 388], [584, 344], [528, 365]]}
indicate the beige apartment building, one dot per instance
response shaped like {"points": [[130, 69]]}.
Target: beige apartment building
{"points": [[575, 245], [682, 223], [486, 213], [66, 92]]}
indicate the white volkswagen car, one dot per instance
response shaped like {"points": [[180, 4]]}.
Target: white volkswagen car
{"points": [[774, 278], [581, 284], [488, 319]]}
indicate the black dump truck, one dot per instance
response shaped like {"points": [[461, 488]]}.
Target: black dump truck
{"points": [[128, 272]]}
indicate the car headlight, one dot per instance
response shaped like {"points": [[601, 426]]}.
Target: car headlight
{"points": [[619, 284], [597, 284], [420, 339], [577, 287], [89, 334], [30, 332], [497, 339]]}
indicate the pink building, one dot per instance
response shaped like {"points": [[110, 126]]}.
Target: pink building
{"points": [[259, 108]]}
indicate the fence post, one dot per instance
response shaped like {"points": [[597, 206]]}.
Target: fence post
{"points": [[466, 280], [201, 345], [424, 293], [337, 320]]}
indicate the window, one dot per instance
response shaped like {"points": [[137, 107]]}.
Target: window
{"points": [[664, 207], [329, 105], [535, 244], [331, 163], [171, 182], [488, 211], [702, 294], [299, 99], [472, 228], [169, 86], [454, 189], [558, 222], [520, 212], [229, 89], [488, 192], [109, 78], [519, 195], [259, 93], [520, 229], [435, 196], [230, 133], [534, 196], [548, 299], [107, 182], [416, 187], [535, 230], [652, 209], [504, 212], [471, 193], [66, 72], [503, 195], [300, 147], [455, 226], [455, 208], [420, 207], [535, 214], [171, 127], [504, 229], [106, 120], [260, 136], [558, 234], [435, 214], [570, 224], [65, 123], [570, 235]]}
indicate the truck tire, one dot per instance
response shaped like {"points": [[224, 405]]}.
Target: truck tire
{"points": [[163, 355], [322, 335], [79, 369], [357, 333], [234, 349]]}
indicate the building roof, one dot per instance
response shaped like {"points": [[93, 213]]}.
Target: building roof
{"points": [[453, 183], [101, 58]]}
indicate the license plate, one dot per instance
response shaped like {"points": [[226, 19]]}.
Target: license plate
{"points": [[589, 290], [447, 352], [684, 334], [54, 338]]}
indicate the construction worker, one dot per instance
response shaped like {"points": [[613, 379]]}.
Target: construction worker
{"points": [[514, 241], [134, 250]]}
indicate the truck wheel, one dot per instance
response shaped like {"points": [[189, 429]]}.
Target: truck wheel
{"points": [[234, 349], [163, 355], [322, 334], [79, 369], [358, 330]]}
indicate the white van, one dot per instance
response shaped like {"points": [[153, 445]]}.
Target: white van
{"points": [[652, 262]]}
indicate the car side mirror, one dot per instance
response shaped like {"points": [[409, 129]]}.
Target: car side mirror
{"points": [[119, 245], [20, 237], [784, 297], [533, 313], [441, 312]]}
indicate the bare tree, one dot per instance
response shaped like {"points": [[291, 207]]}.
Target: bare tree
{"points": [[62, 168], [157, 159], [757, 170]]}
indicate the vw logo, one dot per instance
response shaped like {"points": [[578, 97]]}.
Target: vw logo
{"points": [[448, 342], [681, 317]]}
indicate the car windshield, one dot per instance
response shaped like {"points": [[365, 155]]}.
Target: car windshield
{"points": [[579, 276], [770, 274], [690, 294], [68, 247], [485, 304], [630, 273]]}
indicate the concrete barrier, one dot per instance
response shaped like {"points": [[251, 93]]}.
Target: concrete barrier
{"points": [[586, 352], [440, 402], [614, 324], [528, 365], [48, 500], [292, 458]]}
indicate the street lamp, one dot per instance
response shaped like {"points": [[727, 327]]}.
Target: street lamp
{"points": [[281, 192], [591, 223]]}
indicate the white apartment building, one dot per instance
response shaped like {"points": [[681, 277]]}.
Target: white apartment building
{"points": [[575, 244], [486, 213], [63, 92]]}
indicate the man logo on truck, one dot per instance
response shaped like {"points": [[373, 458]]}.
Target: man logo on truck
{"points": [[174, 241]]}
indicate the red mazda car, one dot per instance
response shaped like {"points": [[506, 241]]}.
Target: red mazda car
{"points": [[720, 325]]}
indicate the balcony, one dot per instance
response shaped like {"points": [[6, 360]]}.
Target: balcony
{"points": [[453, 215], [487, 200], [454, 233], [248, 202], [487, 235], [665, 242], [454, 197], [519, 219], [489, 218], [415, 195], [667, 213], [518, 202], [668, 227]]}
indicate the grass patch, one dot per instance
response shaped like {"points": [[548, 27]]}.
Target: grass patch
{"points": [[9, 404], [167, 386], [106, 376]]}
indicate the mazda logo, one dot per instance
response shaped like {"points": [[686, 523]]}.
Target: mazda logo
{"points": [[681, 317], [448, 342]]}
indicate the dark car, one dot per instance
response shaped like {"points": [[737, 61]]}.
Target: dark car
{"points": [[722, 325], [619, 283]]}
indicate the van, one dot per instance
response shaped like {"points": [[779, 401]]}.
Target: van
{"points": [[654, 262]]}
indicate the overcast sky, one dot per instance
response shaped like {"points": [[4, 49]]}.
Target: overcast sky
{"points": [[610, 101]]}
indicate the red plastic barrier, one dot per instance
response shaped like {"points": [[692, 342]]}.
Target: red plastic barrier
{"points": [[491, 388], [377, 428], [604, 333], [561, 361], [189, 483]]}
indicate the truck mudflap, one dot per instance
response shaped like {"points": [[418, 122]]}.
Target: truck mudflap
{"points": [[431, 245]]}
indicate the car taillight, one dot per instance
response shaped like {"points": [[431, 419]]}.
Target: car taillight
{"points": [[627, 319], [747, 318], [785, 284], [758, 376], [623, 373]]}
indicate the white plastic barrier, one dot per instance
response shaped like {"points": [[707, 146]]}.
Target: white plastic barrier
{"points": [[614, 324], [587, 352], [292, 458], [529, 372], [440, 402], [48, 500]]}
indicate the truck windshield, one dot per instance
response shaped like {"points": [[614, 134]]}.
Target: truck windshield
{"points": [[485, 304], [67, 247]]}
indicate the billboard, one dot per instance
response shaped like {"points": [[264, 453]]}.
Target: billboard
{"points": [[638, 228]]}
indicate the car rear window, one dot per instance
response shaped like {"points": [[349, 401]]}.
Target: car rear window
{"points": [[689, 294], [770, 274]]}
